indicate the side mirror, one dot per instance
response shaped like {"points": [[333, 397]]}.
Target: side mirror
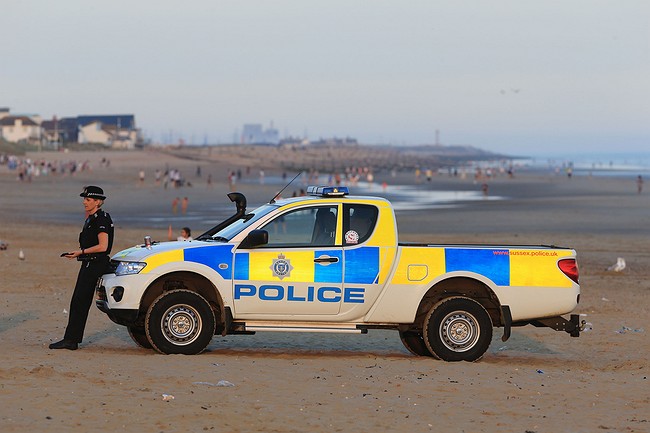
{"points": [[254, 239]]}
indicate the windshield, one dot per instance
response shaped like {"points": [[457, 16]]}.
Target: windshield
{"points": [[229, 232]]}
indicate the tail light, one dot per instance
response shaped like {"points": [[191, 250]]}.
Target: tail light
{"points": [[570, 268]]}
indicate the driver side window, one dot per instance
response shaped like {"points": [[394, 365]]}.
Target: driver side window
{"points": [[313, 226]]}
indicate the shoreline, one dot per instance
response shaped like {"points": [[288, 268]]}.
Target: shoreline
{"points": [[147, 205]]}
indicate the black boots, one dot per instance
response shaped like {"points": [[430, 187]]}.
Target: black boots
{"points": [[64, 344]]}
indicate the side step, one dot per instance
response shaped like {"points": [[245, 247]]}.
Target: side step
{"points": [[252, 327]]}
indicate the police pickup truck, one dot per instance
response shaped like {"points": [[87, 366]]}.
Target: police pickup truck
{"points": [[331, 262]]}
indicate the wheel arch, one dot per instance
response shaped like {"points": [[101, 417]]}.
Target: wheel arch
{"points": [[186, 280], [460, 286]]}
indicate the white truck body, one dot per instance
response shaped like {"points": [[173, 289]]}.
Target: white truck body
{"points": [[331, 262]]}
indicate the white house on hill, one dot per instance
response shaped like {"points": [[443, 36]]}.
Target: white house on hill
{"points": [[116, 131], [20, 129]]}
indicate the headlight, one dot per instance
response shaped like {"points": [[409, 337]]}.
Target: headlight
{"points": [[128, 268]]}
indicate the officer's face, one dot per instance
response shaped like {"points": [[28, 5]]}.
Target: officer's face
{"points": [[91, 204]]}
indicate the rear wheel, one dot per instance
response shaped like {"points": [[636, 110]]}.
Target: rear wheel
{"points": [[139, 336], [180, 321], [414, 343], [458, 329]]}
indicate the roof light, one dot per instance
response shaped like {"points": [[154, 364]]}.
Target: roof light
{"points": [[327, 191]]}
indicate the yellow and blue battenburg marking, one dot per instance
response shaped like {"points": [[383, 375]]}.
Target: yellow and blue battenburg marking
{"points": [[361, 266], [258, 266], [496, 267], [505, 267], [218, 257]]}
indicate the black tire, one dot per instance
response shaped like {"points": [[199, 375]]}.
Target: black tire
{"points": [[458, 329], [139, 336], [180, 321], [414, 343]]}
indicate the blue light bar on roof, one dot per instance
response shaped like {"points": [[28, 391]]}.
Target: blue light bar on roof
{"points": [[327, 191]]}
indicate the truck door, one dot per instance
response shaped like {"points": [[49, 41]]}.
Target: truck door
{"points": [[299, 271], [361, 257]]}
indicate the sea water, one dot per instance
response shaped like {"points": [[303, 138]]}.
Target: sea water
{"points": [[624, 164], [404, 198]]}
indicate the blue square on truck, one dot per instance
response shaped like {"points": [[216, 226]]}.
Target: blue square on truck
{"points": [[485, 262]]}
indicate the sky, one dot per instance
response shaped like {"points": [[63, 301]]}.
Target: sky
{"points": [[511, 76]]}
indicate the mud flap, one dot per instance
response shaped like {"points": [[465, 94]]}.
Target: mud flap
{"points": [[506, 319]]}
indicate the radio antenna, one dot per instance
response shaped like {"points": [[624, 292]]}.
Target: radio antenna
{"points": [[285, 187]]}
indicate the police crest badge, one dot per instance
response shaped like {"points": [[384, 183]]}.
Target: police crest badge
{"points": [[281, 267]]}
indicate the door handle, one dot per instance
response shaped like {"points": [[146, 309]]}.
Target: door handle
{"points": [[326, 259]]}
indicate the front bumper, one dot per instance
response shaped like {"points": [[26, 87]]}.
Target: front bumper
{"points": [[123, 292], [121, 317], [120, 309]]}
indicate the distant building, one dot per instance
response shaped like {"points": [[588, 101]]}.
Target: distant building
{"points": [[116, 131], [51, 134], [20, 129], [256, 134], [294, 141], [329, 142], [57, 132], [347, 141]]}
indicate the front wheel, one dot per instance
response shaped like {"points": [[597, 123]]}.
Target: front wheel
{"points": [[139, 336], [458, 329], [180, 321]]}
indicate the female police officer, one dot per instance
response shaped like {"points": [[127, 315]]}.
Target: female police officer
{"points": [[95, 242]]}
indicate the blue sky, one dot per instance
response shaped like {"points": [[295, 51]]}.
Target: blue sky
{"points": [[514, 76]]}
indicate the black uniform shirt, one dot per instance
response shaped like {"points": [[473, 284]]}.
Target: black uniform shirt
{"points": [[99, 222]]}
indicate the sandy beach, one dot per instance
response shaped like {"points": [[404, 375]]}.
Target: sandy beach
{"points": [[538, 381]]}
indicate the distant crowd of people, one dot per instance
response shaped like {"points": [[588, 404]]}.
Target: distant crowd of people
{"points": [[169, 178], [27, 168]]}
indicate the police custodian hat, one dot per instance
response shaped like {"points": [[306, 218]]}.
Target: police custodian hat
{"points": [[93, 192]]}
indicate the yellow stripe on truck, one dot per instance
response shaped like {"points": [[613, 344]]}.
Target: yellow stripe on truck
{"points": [[162, 258], [537, 268], [302, 263], [416, 264]]}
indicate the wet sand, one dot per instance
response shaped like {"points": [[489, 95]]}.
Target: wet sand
{"points": [[539, 380]]}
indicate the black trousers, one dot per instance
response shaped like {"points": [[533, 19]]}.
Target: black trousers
{"points": [[82, 297]]}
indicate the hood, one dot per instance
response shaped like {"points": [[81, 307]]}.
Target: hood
{"points": [[139, 253]]}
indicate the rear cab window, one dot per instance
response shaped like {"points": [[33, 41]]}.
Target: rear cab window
{"points": [[359, 221]]}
